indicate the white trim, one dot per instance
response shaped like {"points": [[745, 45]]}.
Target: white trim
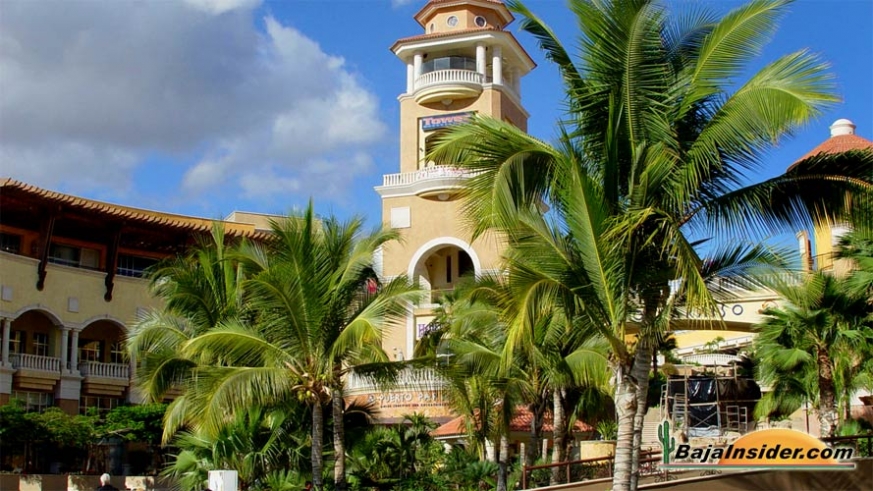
{"points": [[410, 332], [422, 251], [438, 242], [105, 317], [53, 317], [489, 37]]}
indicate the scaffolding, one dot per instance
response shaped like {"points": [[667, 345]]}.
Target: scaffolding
{"points": [[708, 405]]}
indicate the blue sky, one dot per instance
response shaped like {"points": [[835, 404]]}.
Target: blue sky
{"points": [[206, 106]]}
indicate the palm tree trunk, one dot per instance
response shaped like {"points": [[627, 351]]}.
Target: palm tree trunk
{"points": [[625, 408], [532, 451], [503, 463], [339, 448], [641, 377], [317, 458], [559, 430], [827, 411]]}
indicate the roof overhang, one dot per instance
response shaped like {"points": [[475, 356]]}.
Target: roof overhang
{"points": [[406, 48], [433, 5]]}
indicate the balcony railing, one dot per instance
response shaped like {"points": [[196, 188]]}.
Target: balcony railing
{"points": [[36, 362], [435, 172], [104, 370], [409, 379], [711, 359], [452, 76]]}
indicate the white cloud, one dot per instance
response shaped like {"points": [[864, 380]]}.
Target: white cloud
{"points": [[89, 92], [400, 3], [217, 7]]}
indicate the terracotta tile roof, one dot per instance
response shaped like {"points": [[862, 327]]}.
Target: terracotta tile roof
{"points": [[437, 35], [519, 423], [839, 144], [193, 224]]}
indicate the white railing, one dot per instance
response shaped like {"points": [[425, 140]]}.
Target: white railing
{"points": [[36, 362], [440, 77], [711, 359], [409, 379], [104, 370], [435, 172]]}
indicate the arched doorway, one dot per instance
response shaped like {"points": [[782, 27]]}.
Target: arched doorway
{"points": [[439, 265]]}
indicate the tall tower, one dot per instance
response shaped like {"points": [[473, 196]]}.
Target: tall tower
{"points": [[818, 252], [464, 63]]}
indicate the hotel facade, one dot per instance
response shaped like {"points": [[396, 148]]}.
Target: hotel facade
{"points": [[71, 268]]}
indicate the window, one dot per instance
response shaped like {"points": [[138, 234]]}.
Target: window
{"points": [[77, 257], [452, 21], [10, 243], [480, 21], [89, 351], [15, 341], [117, 353], [448, 269], [34, 401], [134, 266], [40, 344], [101, 404]]}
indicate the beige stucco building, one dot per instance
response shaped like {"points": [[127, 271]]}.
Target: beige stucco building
{"points": [[70, 284], [465, 62]]}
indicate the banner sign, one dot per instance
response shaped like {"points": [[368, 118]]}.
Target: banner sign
{"points": [[431, 123]]}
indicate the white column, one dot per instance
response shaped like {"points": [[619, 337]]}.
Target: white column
{"points": [[65, 347], [7, 333], [480, 59], [74, 355], [516, 81], [497, 65], [410, 78], [417, 60]]}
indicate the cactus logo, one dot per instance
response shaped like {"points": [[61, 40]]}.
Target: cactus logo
{"points": [[668, 443]]}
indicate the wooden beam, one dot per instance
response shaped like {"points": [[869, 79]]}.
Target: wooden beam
{"points": [[112, 262], [47, 228]]}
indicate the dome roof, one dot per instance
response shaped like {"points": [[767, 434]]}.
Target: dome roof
{"points": [[843, 139]]}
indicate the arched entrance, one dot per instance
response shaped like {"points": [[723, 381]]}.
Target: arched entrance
{"points": [[439, 265]]}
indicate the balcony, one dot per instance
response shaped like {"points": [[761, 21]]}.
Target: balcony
{"points": [[430, 181], [450, 84], [36, 363], [104, 379], [409, 379], [119, 371]]}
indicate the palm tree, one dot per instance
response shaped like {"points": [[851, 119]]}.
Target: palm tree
{"points": [[317, 320], [200, 290], [812, 345], [654, 159], [257, 443]]}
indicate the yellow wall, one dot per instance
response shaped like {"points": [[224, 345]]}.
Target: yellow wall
{"points": [[63, 283]]}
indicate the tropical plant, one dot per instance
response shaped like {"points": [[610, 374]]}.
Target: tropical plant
{"points": [[199, 290], [813, 346], [658, 142], [261, 445], [320, 314]]}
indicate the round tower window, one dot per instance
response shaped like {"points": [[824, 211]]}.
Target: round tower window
{"points": [[452, 21], [480, 21]]}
